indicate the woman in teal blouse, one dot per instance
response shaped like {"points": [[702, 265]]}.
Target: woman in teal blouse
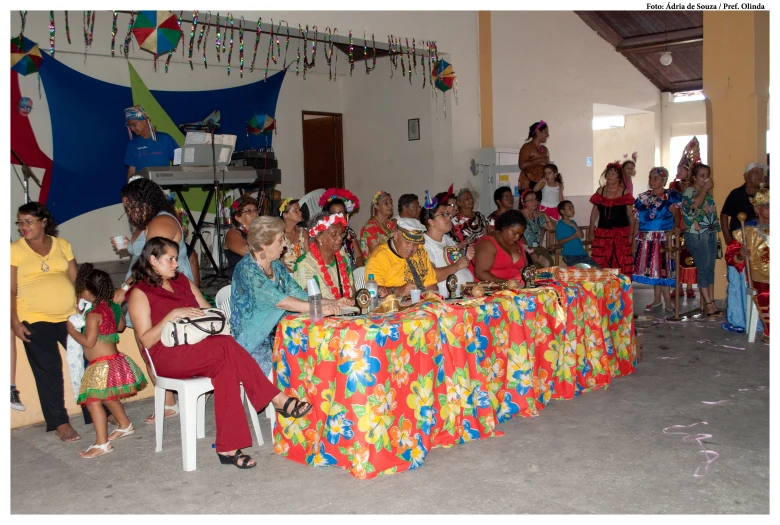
{"points": [[263, 291]]}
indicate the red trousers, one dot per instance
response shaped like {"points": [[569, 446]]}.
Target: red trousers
{"points": [[227, 364]]}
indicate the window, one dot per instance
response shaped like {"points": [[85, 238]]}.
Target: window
{"points": [[676, 148], [687, 96], [611, 122]]}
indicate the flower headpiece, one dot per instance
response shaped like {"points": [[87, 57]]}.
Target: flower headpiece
{"points": [[378, 195], [283, 206], [660, 170], [234, 207], [351, 202], [326, 222], [690, 155], [617, 165], [761, 198], [524, 193], [137, 113]]}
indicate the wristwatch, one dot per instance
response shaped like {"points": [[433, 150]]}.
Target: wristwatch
{"points": [[125, 287]]}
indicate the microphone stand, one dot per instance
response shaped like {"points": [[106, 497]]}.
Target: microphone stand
{"points": [[28, 174]]}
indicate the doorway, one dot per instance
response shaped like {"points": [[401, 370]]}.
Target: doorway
{"points": [[323, 151]]}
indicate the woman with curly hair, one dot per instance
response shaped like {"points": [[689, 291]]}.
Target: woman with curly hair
{"points": [[242, 213], [151, 214], [43, 271], [613, 207], [336, 200], [380, 227]]}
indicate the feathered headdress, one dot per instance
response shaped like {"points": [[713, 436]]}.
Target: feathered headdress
{"points": [[690, 155], [351, 202], [761, 198], [617, 165]]}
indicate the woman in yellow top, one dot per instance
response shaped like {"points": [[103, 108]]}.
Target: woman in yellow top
{"points": [[43, 270]]}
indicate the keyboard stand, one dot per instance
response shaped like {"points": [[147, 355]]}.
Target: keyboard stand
{"points": [[220, 273]]}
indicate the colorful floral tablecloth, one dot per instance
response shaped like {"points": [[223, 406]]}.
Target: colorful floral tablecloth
{"points": [[387, 389]]}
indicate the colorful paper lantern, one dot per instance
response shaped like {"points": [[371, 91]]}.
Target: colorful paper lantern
{"points": [[26, 58], [445, 76], [261, 124], [156, 31]]}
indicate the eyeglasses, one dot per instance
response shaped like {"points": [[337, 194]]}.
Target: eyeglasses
{"points": [[28, 222], [443, 214]]}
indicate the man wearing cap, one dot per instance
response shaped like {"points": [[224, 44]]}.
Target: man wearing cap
{"points": [[739, 200], [149, 147], [402, 264]]}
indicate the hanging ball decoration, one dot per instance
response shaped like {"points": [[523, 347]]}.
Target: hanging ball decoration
{"points": [[666, 58]]}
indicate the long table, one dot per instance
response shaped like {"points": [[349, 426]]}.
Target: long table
{"points": [[387, 389]]}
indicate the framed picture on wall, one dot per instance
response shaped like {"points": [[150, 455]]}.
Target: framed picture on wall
{"points": [[414, 129]]}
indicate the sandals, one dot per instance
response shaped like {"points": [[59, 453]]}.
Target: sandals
{"points": [[713, 314], [104, 448], [123, 432], [175, 409], [690, 294], [296, 411], [235, 458], [652, 306]]}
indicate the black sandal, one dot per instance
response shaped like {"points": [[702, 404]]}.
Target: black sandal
{"points": [[235, 458], [296, 412], [713, 314]]}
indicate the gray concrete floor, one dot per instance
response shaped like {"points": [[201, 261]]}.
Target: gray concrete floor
{"points": [[605, 453]]}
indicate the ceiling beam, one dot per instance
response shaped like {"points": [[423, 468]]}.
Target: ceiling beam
{"points": [[687, 85], [657, 40], [649, 74], [600, 26]]}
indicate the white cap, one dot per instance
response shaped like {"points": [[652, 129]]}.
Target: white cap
{"points": [[753, 165], [410, 224], [312, 288]]}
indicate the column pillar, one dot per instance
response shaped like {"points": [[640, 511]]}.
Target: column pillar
{"points": [[485, 43], [736, 85]]}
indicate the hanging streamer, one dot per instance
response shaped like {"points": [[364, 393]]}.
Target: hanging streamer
{"points": [[224, 33], [305, 45], [181, 15], [313, 47], [409, 61], [270, 51], [51, 34], [170, 53], [241, 47], [422, 61], [258, 32], [113, 31], [365, 52], [230, 51], [351, 54], [193, 28], [206, 39], [219, 37], [129, 35], [286, 42], [89, 29], [67, 27], [203, 28], [401, 52], [23, 14], [414, 55], [297, 62]]}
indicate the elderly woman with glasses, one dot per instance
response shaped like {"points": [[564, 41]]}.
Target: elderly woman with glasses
{"points": [[325, 262], [657, 211], [443, 252], [537, 225], [243, 212], [263, 291]]}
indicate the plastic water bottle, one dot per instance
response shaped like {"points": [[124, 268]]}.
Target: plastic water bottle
{"points": [[373, 289], [315, 301]]}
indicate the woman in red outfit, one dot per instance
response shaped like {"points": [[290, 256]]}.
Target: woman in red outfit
{"points": [[161, 295], [613, 206], [499, 254]]}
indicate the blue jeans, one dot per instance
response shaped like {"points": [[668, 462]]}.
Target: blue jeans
{"points": [[703, 248], [571, 260]]}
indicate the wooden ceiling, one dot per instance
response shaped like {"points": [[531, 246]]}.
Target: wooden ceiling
{"points": [[642, 36]]}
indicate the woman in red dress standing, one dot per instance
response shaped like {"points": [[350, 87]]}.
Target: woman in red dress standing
{"points": [[613, 207]]}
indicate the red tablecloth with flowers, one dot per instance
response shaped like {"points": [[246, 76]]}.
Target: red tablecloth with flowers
{"points": [[386, 389]]}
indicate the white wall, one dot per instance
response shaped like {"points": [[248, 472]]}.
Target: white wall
{"points": [[377, 154], [610, 145], [552, 66], [683, 118]]}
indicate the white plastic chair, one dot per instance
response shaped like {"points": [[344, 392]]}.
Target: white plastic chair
{"points": [[222, 301], [359, 276], [752, 315], [192, 411], [312, 202]]}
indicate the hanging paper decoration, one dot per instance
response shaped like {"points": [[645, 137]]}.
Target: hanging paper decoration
{"points": [[25, 106], [351, 54], [445, 76], [89, 29], [261, 124], [205, 39], [218, 38], [170, 53], [365, 52], [193, 28], [313, 47], [129, 35], [157, 32], [329, 45], [26, 57], [409, 61], [241, 47], [286, 42], [258, 32], [230, 51], [113, 31], [23, 14], [51, 32]]}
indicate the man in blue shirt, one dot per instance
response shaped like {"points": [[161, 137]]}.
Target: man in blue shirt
{"points": [[148, 147]]}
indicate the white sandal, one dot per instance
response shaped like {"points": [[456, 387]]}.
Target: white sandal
{"points": [[104, 447], [174, 407], [122, 432]]}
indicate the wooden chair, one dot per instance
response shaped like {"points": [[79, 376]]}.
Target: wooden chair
{"points": [[556, 248]]}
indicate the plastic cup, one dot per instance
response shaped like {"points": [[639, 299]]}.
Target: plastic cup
{"points": [[443, 290], [415, 295], [119, 240]]}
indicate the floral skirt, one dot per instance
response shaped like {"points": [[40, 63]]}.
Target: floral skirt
{"points": [[110, 377], [651, 264]]}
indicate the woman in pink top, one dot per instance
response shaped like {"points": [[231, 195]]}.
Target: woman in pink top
{"points": [[499, 254]]}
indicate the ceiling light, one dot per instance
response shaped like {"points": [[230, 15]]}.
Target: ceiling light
{"points": [[666, 58]]}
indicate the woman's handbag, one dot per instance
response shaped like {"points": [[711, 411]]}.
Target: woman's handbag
{"points": [[189, 331]]}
